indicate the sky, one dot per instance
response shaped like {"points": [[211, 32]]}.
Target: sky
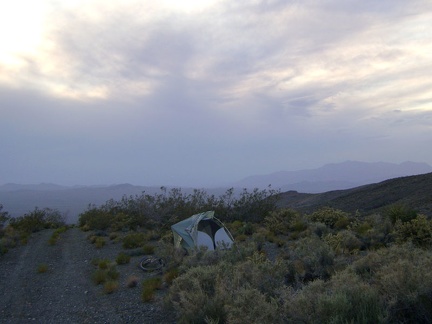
{"points": [[205, 92]]}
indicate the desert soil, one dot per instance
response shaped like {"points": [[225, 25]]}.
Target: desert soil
{"points": [[65, 293]]}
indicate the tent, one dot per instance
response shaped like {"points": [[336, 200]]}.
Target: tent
{"points": [[201, 230]]}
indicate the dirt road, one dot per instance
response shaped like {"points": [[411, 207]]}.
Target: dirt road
{"points": [[65, 293]]}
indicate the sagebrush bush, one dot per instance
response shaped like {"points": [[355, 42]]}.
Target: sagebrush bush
{"points": [[170, 275], [251, 306], [402, 276], [342, 299], [309, 258], [194, 295]]}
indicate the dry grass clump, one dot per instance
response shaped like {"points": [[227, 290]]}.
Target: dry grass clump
{"points": [[149, 287], [110, 286], [132, 281], [134, 240], [123, 258], [42, 268]]}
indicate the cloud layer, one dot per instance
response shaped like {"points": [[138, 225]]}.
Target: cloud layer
{"points": [[210, 91]]}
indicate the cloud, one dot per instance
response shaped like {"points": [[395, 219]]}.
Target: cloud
{"points": [[213, 89]]}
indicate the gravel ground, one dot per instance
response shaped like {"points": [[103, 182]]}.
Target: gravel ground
{"points": [[65, 293]]}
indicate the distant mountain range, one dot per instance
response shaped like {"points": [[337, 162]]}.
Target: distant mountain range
{"points": [[414, 192], [18, 199], [345, 175]]}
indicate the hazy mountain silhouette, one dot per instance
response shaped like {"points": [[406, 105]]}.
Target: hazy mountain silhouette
{"points": [[334, 176]]}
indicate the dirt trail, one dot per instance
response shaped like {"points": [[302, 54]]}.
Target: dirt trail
{"points": [[65, 293]]}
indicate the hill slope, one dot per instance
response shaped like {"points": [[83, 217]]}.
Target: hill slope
{"points": [[412, 191], [334, 176]]}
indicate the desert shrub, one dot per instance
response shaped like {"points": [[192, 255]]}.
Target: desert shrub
{"points": [[149, 286], [4, 218], [343, 242], [399, 212], [417, 230], [42, 268], [194, 295], [134, 240], [329, 216], [309, 258], [342, 299], [95, 219], [123, 258], [251, 306], [405, 282], [376, 231], [208, 291], [280, 221], [110, 286], [318, 229], [402, 276], [170, 275], [37, 220], [272, 238]]}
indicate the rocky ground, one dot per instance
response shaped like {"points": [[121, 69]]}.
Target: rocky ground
{"points": [[65, 293]]}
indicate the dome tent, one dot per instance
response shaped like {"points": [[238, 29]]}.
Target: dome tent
{"points": [[201, 230]]}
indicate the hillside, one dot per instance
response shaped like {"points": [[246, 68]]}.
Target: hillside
{"points": [[335, 176], [412, 191]]}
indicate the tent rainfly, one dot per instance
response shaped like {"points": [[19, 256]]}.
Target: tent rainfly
{"points": [[201, 230]]}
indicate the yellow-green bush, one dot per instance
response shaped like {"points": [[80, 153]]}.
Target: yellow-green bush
{"points": [[281, 221], [418, 231], [330, 217]]}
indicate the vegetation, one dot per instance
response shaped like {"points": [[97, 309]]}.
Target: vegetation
{"points": [[326, 265], [149, 287], [15, 231], [123, 258]]}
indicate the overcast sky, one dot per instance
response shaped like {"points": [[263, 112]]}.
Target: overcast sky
{"points": [[202, 93]]}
